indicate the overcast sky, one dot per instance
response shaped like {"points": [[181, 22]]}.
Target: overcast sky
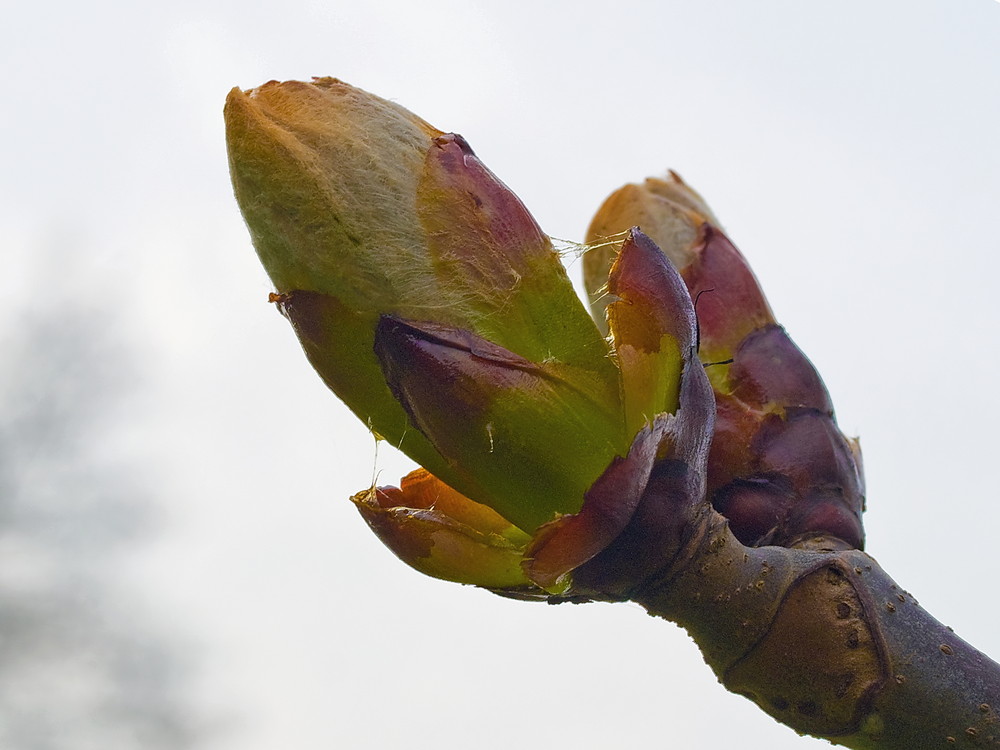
{"points": [[849, 148]]}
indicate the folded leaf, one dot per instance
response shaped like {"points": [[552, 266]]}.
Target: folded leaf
{"points": [[653, 327], [525, 438], [443, 534]]}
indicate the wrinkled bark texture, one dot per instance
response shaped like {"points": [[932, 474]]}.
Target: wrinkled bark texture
{"points": [[828, 644]]}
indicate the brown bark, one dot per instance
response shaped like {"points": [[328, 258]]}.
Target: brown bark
{"points": [[827, 643]]}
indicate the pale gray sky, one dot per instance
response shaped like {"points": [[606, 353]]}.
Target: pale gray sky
{"points": [[851, 151]]}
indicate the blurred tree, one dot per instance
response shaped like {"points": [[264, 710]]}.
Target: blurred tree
{"points": [[81, 669]]}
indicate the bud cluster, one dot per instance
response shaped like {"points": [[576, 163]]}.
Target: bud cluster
{"points": [[562, 457]]}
